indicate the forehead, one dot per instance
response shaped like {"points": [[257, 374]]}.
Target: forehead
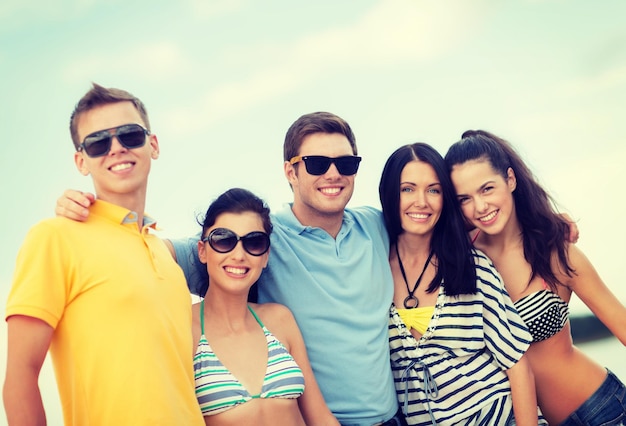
{"points": [[418, 172], [328, 144], [241, 223], [472, 173], [107, 116]]}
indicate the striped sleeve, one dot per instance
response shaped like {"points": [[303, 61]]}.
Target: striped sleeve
{"points": [[506, 335]]}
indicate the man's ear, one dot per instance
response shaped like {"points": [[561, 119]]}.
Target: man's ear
{"points": [[79, 160], [290, 172], [154, 145]]}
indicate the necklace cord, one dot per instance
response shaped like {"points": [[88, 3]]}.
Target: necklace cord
{"points": [[411, 297]]}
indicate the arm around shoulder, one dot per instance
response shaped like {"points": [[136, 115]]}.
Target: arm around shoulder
{"points": [[28, 342], [74, 205]]}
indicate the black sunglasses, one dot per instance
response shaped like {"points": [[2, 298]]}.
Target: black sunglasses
{"points": [[224, 240], [99, 143], [317, 165]]}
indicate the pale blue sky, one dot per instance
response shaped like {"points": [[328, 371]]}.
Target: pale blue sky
{"points": [[223, 80]]}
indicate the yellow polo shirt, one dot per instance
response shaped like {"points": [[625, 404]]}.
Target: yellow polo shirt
{"points": [[121, 313]]}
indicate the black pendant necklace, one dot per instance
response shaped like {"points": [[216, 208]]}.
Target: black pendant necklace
{"points": [[411, 301]]}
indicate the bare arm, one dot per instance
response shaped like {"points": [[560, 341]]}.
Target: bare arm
{"points": [[523, 393], [594, 293], [28, 342], [74, 205]]}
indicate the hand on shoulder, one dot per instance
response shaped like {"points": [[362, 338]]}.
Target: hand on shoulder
{"points": [[74, 204]]}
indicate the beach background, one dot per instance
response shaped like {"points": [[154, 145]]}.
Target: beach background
{"points": [[224, 79]]}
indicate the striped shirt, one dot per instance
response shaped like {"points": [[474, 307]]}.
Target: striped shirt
{"points": [[218, 390], [456, 369]]}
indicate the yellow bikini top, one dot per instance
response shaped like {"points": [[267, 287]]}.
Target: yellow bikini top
{"points": [[417, 318]]}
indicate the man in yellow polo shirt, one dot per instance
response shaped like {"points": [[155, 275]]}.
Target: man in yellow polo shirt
{"points": [[104, 296]]}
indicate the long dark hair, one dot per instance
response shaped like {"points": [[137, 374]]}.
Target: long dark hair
{"points": [[544, 231], [450, 241]]}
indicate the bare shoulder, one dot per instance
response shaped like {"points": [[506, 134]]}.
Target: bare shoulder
{"points": [[272, 312], [279, 321], [577, 259], [580, 264]]}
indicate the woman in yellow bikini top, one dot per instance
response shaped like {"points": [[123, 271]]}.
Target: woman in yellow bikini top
{"points": [[453, 331]]}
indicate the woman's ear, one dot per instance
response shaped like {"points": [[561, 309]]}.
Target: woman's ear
{"points": [[202, 251], [511, 180]]}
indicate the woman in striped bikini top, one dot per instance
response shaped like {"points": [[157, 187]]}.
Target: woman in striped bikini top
{"points": [[217, 389], [245, 374], [529, 241]]}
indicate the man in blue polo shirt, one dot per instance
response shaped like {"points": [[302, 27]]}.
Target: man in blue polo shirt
{"points": [[330, 266]]}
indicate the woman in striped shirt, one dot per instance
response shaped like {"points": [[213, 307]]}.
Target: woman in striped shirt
{"points": [[457, 343]]}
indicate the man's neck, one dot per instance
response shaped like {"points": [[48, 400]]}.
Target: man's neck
{"points": [[331, 223]]}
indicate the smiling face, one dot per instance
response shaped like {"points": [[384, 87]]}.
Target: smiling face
{"points": [[318, 198], [121, 176], [486, 197], [421, 199], [237, 270]]}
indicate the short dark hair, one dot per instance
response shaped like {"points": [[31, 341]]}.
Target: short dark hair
{"points": [[315, 122], [97, 96], [236, 200]]}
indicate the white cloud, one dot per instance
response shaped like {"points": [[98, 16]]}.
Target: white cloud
{"points": [[391, 33], [606, 80], [156, 62], [215, 8], [18, 13]]}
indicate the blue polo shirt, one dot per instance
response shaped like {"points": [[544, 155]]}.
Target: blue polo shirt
{"points": [[339, 290]]}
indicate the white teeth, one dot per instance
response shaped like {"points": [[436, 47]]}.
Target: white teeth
{"points": [[233, 270], [119, 167], [489, 216], [417, 215], [330, 191]]}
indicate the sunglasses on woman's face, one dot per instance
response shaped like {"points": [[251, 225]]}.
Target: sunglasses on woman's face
{"points": [[99, 143], [317, 165], [223, 240]]}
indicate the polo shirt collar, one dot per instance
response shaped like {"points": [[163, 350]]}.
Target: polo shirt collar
{"points": [[286, 217], [119, 214]]}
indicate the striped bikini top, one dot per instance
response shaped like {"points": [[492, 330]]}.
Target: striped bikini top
{"points": [[543, 312], [218, 390]]}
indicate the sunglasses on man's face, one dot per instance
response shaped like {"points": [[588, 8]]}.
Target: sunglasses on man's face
{"points": [[223, 240], [99, 143], [317, 165]]}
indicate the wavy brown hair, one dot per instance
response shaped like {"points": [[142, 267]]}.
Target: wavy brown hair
{"points": [[544, 230]]}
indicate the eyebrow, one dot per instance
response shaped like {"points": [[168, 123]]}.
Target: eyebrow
{"points": [[414, 184], [489, 182]]}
